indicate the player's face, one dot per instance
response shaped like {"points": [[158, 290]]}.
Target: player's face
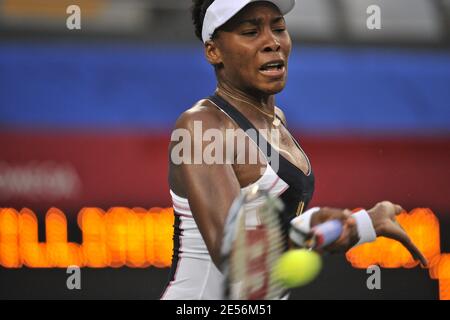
{"points": [[255, 37]]}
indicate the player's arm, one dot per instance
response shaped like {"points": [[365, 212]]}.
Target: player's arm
{"points": [[380, 221], [210, 188]]}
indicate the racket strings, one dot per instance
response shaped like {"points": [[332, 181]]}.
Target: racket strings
{"points": [[255, 252]]}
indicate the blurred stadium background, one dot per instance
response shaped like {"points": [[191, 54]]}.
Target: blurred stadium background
{"points": [[86, 117]]}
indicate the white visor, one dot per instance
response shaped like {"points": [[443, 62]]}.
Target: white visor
{"points": [[220, 11]]}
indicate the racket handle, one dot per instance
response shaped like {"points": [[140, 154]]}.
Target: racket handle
{"points": [[320, 236], [324, 234]]}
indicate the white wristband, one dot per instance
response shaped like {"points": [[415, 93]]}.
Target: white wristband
{"points": [[301, 226], [364, 225]]}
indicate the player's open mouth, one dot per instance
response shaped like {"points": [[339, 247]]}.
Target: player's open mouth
{"points": [[273, 69]]}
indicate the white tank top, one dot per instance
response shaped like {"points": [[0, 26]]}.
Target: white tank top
{"points": [[194, 276]]}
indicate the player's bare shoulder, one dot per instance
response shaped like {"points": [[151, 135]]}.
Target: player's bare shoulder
{"points": [[191, 126], [206, 114]]}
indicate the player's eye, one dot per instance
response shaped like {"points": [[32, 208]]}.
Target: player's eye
{"points": [[249, 32]]}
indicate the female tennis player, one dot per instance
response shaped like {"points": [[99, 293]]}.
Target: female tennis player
{"points": [[248, 45]]}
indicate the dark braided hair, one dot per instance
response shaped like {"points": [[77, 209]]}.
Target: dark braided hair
{"points": [[198, 10]]}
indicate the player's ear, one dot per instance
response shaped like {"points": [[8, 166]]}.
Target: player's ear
{"points": [[212, 52]]}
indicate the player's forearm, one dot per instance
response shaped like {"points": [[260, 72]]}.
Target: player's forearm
{"points": [[356, 228]]}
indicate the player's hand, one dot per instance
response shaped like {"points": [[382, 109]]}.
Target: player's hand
{"points": [[349, 236], [384, 221]]}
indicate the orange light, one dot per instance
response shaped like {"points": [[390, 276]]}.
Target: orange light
{"points": [[95, 251], [59, 252], [136, 238], [444, 289], [441, 271], [116, 235], [32, 252], [9, 239], [162, 235]]}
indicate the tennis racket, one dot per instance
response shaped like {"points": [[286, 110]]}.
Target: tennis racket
{"points": [[254, 241], [252, 244]]}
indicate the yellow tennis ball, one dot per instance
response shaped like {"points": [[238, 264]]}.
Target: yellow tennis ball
{"points": [[297, 268]]}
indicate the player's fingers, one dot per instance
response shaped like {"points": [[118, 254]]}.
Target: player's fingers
{"points": [[342, 215], [415, 252], [400, 235], [346, 239], [326, 214], [398, 209], [350, 222]]}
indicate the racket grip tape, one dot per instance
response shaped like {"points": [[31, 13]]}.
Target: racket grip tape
{"points": [[320, 236], [325, 234]]}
